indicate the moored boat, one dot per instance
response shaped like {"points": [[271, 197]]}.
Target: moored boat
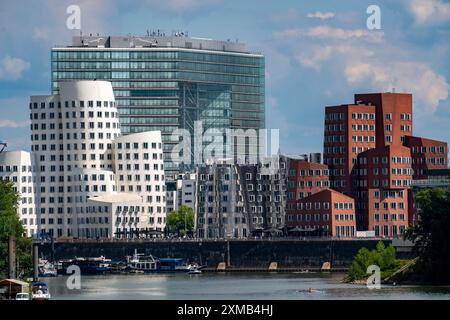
{"points": [[88, 266], [40, 291], [139, 263], [147, 263], [46, 269]]}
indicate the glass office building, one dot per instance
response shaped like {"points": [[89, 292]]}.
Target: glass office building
{"points": [[168, 82]]}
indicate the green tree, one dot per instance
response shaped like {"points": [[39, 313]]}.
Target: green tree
{"points": [[10, 224], [381, 256], [431, 236], [181, 221]]}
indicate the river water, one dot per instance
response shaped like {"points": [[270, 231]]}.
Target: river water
{"points": [[230, 286]]}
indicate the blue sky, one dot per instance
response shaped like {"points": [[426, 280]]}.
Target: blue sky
{"points": [[318, 53]]}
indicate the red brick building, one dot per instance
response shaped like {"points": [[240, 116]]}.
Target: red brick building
{"points": [[304, 179], [381, 180], [325, 213], [349, 130], [393, 115], [373, 156], [426, 155]]}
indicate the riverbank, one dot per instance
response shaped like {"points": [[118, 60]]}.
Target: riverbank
{"points": [[245, 254]]}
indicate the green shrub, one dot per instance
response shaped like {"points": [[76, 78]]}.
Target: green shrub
{"points": [[381, 256]]}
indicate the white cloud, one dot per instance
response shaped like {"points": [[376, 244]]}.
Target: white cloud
{"points": [[313, 56], [184, 4], [181, 6], [13, 124], [427, 87], [12, 68], [326, 32], [430, 11], [40, 34], [321, 15]]}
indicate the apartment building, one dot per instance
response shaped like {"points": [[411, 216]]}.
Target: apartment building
{"points": [[18, 167], [80, 155]]}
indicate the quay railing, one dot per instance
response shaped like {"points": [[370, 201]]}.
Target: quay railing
{"points": [[198, 240]]}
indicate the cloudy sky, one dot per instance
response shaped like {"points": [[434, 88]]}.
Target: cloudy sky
{"points": [[318, 53]]}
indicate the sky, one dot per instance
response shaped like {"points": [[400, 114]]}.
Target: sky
{"points": [[318, 53]]}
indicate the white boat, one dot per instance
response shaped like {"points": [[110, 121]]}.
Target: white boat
{"points": [[40, 291], [140, 263], [46, 269], [194, 271]]}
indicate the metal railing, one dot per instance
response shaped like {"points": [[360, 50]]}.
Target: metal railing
{"points": [[431, 183], [178, 240]]}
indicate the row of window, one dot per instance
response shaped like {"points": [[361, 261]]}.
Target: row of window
{"points": [[389, 231], [325, 205], [15, 168], [152, 54], [432, 149], [320, 217], [309, 184], [73, 104], [73, 114], [308, 173]]}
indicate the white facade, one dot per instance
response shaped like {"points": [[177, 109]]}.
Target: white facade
{"points": [[171, 200], [72, 137], [17, 166], [120, 212], [184, 192], [80, 156], [139, 168], [186, 188]]}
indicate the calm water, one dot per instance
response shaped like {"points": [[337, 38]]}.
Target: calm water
{"points": [[233, 286]]}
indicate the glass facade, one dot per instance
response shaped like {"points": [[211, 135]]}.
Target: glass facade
{"points": [[166, 89]]}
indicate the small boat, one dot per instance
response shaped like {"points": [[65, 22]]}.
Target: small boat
{"points": [[139, 263], [46, 269], [39, 291], [148, 263], [195, 271]]}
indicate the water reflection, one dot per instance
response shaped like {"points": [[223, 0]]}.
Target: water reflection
{"points": [[234, 286]]}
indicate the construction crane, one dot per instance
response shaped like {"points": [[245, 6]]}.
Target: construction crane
{"points": [[3, 146]]}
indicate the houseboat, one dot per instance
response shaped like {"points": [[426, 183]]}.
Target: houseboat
{"points": [[88, 266], [139, 263]]}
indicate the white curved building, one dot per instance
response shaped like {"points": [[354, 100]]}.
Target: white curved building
{"points": [[82, 163], [72, 137], [139, 168], [17, 167]]}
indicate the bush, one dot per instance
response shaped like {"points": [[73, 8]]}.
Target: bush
{"points": [[381, 256]]}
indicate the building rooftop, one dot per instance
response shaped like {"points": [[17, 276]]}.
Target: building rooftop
{"points": [[117, 197], [156, 40]]}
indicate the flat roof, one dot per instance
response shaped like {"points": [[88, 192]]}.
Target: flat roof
{"points": [[117, 197], [158, 42]]}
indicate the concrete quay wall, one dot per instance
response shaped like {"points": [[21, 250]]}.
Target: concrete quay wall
{"points": [[235, 253]]}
